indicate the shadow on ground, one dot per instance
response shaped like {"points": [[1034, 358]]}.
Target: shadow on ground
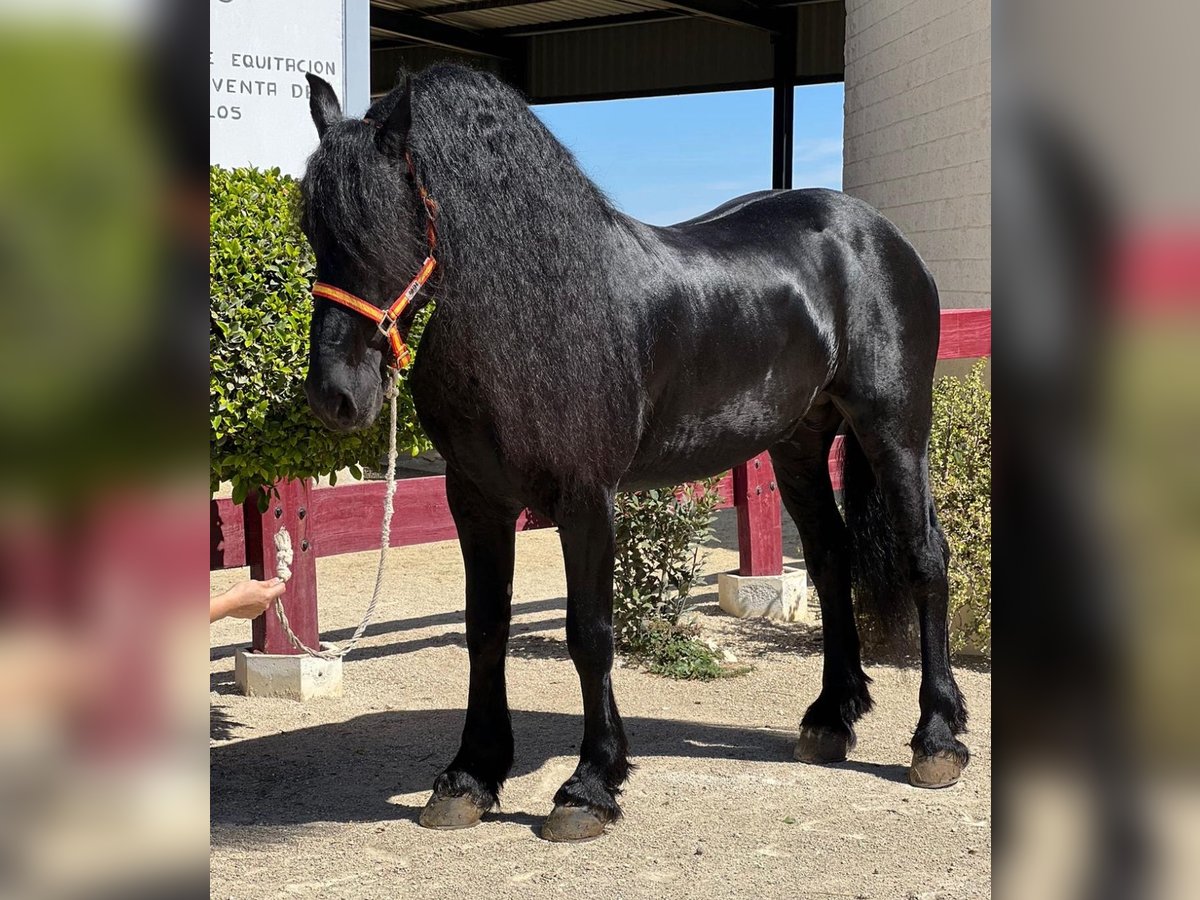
{"points": [[538, 646], [220, 726], [346, 771]]}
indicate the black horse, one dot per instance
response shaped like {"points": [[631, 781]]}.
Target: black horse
{"points": [[575, 351]]}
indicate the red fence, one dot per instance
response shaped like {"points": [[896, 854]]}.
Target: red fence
{"points": [[326, 521]]}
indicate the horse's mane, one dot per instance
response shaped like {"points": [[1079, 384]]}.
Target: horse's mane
{"points": [[480, 149], [526, 285]]}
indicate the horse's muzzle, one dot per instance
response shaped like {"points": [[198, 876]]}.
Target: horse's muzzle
{"points": [[341, 406]]}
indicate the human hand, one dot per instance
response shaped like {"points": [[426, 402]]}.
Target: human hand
{"points": [[247, 600]]}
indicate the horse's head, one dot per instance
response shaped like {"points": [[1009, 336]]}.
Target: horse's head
{"points": [[362, 216]]}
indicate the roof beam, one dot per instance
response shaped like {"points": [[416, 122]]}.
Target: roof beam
{"points": [[781, 4], [732, 12], [439, 34], [655, 15], [449, 9]]}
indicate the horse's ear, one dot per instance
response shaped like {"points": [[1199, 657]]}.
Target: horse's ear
{"points": [[322, 103], [394, 133]]}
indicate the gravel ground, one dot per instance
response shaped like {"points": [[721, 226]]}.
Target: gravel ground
{"points": [[320, 799]]}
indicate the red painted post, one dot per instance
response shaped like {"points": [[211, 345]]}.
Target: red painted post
{"points": [[760, 528], [291, 510]]}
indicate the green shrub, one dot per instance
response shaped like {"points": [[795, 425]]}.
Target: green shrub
{"points": [[960, 472], [659, 534], [261, 270]]}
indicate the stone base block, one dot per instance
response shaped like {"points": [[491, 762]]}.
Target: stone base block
{"points": [[291, 676], [780, 597]]}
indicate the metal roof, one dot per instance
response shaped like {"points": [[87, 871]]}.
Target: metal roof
{"points": [[560, 50]]}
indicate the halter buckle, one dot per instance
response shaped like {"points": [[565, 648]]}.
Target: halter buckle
{"points": [[385, 325]]}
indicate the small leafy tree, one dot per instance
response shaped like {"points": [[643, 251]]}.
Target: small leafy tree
{"points": [[659, 536]]}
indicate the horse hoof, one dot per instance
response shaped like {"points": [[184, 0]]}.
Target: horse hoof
{"points": [[450, 813], [572, 823], [937, 771], [821, 745]]}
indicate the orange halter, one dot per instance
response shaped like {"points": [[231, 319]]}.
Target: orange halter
{"points": [[388, 320]]}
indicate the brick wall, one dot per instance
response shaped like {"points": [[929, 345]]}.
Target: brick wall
{"points": [[918, 131]]}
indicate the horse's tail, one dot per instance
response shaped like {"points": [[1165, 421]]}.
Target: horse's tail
{"points": [[883, 609]]}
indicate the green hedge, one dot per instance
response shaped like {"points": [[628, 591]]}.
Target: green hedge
{"points": [[960, 475], [261, 270]]}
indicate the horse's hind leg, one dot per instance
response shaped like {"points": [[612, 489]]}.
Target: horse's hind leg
{"points": [[893, 439], [802, 471], [470, 785]]}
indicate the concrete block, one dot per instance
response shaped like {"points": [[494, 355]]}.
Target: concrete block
{"points": [[291, 676], [783, 598]]}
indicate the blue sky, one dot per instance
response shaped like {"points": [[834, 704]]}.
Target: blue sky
{"points": [[665, 159]]}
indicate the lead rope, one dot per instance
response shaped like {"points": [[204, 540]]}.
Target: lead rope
{"points": [[283, 547]]}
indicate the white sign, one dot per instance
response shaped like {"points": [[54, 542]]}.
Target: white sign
{"points": [[259, 53]]}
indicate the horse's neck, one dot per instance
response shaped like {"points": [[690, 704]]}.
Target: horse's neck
{"points": [[542, 257]]}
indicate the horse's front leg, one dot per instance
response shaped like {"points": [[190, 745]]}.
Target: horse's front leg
{"points": [[470, 785], [588, 800]]}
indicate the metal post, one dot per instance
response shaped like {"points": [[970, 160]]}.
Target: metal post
{"points": [[783, 118], [515, 69], [356, 56]]}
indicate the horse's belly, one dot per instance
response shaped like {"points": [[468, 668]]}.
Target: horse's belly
{"points": [[685, 447]]}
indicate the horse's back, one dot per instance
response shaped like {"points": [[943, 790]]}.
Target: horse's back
{"points": [[817, 252], [729, 206], [851, 268], [803, 212], [775, 297]]}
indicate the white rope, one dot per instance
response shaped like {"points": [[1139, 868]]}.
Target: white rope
{"points": [[284, 553]]}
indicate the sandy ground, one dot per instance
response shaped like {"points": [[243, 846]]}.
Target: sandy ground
{"points": [[320, 799]]}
